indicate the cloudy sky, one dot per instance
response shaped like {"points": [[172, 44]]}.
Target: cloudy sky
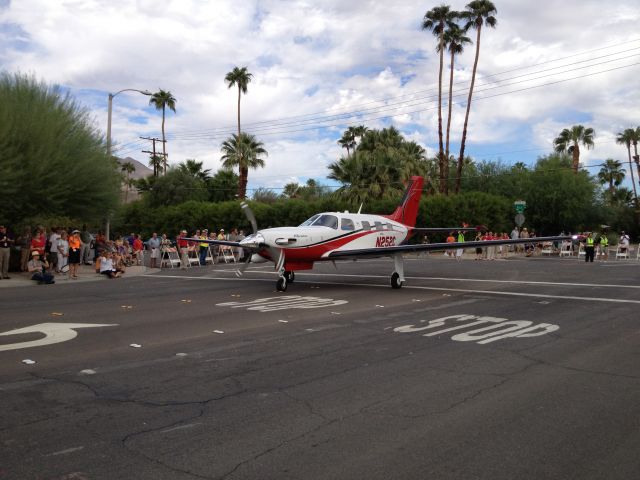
{"points": [[319, 66]]}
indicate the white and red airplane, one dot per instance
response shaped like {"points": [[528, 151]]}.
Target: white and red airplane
{"points": [[331, 236]]}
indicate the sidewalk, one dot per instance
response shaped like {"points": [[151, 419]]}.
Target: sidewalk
{"points": [[86, 273]]}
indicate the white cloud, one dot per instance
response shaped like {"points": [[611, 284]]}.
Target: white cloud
{"points": [[323, 57]]}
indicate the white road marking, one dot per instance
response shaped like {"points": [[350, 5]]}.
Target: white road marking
{"points": [[64, 452], [417, 287], [285, 302], [181, 427], [54, 333]]}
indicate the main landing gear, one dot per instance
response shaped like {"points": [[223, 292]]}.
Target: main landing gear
{"points": [[397, 277], [284, 279]]}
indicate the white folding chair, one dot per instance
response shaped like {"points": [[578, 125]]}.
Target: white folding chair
{"points": [[170, 257], [622, 254], [566, 248], [581, 251], [547, 248], [209, 257], [193, 256]]}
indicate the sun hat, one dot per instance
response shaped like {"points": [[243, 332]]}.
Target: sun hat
{"points": [[34, 253], [76, 231]]}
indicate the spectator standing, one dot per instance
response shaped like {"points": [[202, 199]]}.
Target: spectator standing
{"points": [[39, 269], [604, 246], [24, 242], [460, 239], [450, 239], [154, 245], [53, 247], [589, 248], [241, 237], [75, 249], [523, 234], [38, 242], [183, 248], [478, 249], [6, 240], [203, 247], [63, 251], [137, 248]]}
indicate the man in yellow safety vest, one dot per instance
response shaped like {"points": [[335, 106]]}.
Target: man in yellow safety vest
{"points": [[589, 248]]}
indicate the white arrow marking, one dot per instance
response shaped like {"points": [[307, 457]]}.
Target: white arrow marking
{"points": [[54, 333]]}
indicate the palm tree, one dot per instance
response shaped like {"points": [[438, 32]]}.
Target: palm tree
{"points": [[455, 40], [478, 13], [347, 141], [611, 173], [155, 161], [635, 138], [569, 141], [626, 138], [127, 168], [435, 20], [161, 100], [194, 168], [241, 78], [245, 152]]}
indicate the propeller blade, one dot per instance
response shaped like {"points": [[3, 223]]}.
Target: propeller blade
{"points": [[250, 216], [277, 254], [240, 270]]}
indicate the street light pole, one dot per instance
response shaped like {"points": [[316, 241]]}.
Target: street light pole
{"points": [[109, 110]]}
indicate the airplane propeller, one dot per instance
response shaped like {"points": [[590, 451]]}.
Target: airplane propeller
{"points": [[277, 254]]}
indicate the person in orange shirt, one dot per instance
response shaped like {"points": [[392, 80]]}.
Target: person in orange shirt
{"points": [[75, 244]]}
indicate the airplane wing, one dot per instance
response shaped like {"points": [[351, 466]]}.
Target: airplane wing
{"points": [[447, 229], [428, 247], [215, 242]]}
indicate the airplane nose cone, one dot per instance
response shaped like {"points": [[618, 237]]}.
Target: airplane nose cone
{"points": [[252, 241]]}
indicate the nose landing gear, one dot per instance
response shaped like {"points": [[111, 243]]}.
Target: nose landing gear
{"points": [[284, 279]]}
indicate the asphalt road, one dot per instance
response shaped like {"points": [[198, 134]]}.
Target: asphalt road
{"points": [[516, 369]]}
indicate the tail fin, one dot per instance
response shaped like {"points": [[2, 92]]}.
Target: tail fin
{"points": [[407, 211]]}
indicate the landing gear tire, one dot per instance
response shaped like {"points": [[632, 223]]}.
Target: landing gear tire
{"points": [[395, 280], [290, 276], [281, 284]]}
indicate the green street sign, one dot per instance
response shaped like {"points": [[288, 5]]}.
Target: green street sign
{"points": [[520, 206]]}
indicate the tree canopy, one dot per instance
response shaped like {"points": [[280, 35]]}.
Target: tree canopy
{"points": [[53, 162]]}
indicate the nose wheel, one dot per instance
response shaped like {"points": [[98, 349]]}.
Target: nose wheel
{"points": [[395, 280], [281, 284], [286, 277]]}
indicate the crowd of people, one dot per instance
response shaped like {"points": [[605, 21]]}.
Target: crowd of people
{"points": [[60, 251]]}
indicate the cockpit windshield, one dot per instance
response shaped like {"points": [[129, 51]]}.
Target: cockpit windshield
{"points": [[309, 221], [330, 221]]}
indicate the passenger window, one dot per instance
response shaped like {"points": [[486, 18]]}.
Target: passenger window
{"points": [[379, 226], [366, 225], [347, 224]]}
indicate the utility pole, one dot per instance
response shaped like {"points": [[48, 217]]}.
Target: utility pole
{"points": [[154, 154]]}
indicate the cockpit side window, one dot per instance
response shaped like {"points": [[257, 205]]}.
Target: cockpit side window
{"points": [[308, 222], [347, 224], [330, 221]]}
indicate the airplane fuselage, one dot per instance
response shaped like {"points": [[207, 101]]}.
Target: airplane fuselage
{"points": [[327, 232]]}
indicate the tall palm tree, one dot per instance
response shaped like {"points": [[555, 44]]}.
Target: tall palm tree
{"points": [[569, 141], [161, 100], [435, 21], [478, 13], [626, 138], [455, 40], [635, 138], [127, 168], [612, 174], [243, 151], [241, 78], [348, 141]]}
